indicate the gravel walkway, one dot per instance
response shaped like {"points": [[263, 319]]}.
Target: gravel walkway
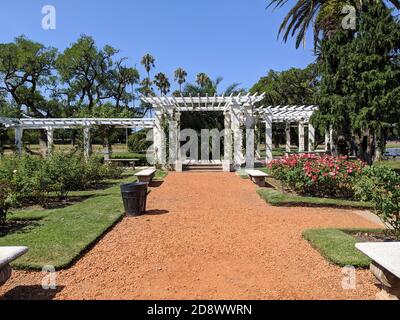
{"points": [[207, 236]]}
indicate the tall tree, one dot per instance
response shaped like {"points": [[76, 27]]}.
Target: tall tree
{"points": [[360, 79], [84, 69], [324, 15], [26, 71], [120, 78], [203, 80], [162, 83], [180, 77], [148, 63], [291, 87]]}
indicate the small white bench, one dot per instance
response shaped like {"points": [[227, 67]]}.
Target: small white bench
{"points": [[8, 255], [146, 175], [258, 177], [385, 267], [131, 162]]}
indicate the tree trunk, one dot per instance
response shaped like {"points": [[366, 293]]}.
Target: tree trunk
{"points": [[380, 145], [370, 151]]}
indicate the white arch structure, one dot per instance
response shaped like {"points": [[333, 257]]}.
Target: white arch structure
{"points": [[240, 111]]}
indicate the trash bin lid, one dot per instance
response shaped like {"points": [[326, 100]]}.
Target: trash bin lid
{"points": [[133, 186]]}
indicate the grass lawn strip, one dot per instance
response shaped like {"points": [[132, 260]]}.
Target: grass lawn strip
{"points": [[338, 246]]}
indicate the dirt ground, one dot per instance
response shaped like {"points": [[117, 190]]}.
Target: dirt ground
{"points": [[206, 236]]}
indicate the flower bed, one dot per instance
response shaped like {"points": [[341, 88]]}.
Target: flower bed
{"points": [[32, 179], [312, 175]]}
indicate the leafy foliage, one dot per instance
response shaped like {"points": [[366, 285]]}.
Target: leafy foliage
{"points": [[137, 141], [33, 178], [325, 176], [359, 91], [324, 14], [381, 186], [290, 87]]}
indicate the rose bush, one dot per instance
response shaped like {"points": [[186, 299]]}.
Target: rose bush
{"points": [[325, 176]]}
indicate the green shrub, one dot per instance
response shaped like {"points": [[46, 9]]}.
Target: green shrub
{"points": [[381, 187], [32, 179], [137, 142], [7, 199]]}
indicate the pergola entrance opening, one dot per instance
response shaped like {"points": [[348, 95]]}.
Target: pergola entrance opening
{"points": [[242, 116]]}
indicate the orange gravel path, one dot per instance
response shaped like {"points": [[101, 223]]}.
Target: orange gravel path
{"points": [[207, 236]]}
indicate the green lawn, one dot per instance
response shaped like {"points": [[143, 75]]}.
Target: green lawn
{"points": [[337, 246], [58, 237], [277, 198], [131, 155], [392, 164]]}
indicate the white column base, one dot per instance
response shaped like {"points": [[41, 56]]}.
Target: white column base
{"points": [[178, 166], [226, 165]]}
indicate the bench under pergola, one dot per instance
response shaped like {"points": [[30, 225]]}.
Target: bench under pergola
{"points": [[240, 111]]}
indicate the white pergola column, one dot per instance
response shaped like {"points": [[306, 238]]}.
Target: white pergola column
{"points": [[268, 136], [331, 136], [326, 140], [237, 136], [174, 139], [87, 146], [50, 141], [249, 123], [301, 136], [226, 163], [258, 144], [288, 142], [311, 137], [159, 141], [19, 131]]}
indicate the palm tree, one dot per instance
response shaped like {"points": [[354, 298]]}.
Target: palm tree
{"points": [[162, 83], [324, 15], [203, 80], [180, 77], [148, 63]]}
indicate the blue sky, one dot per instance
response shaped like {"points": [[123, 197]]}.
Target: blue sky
{"points": [[235, 39]]}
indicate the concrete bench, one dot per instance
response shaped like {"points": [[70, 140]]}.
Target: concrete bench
{"points": [[385, 267], [8, 255], [131, 162], [258, 177], [146, 175]]}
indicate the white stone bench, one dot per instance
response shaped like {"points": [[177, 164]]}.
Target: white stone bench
{"points": [[258, 177], [146, 175], [8, 255], [385, 267]]}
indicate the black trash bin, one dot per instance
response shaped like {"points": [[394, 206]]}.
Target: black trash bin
{"points": [[134, 196]]}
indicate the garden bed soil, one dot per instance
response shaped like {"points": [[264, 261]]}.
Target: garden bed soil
{"points": [[373, 237]]}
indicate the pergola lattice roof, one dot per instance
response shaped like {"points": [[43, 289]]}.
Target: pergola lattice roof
{"points": [[31, 123], [289, 113], [201, 103], [224, 104], [190, 103]]}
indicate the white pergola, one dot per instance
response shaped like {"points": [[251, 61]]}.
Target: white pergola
{"points": [[69, 123], [240, 111]]}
